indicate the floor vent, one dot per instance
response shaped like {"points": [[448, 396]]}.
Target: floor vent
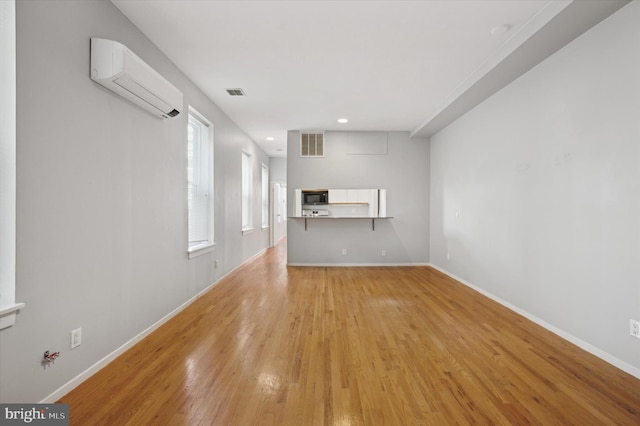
{"points": [[312, 145]]}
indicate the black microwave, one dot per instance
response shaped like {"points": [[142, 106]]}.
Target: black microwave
{"points": [[315, 197]]}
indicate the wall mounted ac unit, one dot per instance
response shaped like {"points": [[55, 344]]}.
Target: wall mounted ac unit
{"points": [[117, 68]]}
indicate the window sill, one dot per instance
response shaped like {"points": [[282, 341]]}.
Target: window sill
{"points": [[246, 231], [8, 315], [200, 250]]}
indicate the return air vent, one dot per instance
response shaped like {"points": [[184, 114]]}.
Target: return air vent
{"points": [[236, 92], [312, 145]]}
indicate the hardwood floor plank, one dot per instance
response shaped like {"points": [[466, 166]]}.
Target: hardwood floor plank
{"points": [[278, 345]]}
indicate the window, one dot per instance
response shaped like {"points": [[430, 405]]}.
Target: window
{"points": [[247, 192], [200, 182], [265, 196], [8, 305]]}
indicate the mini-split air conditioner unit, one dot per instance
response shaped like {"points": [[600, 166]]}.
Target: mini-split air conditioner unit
{"points": [[118, 69]]}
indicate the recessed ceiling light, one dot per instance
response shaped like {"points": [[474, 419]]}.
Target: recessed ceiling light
{"points": [[500, 29], [342, 120], [270, 138]]}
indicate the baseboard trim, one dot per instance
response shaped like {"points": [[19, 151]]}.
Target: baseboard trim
{"points": [[76, 381], [594, 350], [355, 265]]}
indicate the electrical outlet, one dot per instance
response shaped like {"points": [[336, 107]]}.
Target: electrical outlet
{"points": [[634, 328], [344, 252], [384, 252], [76, 337]]}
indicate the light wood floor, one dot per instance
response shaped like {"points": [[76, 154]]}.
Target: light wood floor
{"points": [[272, 345]]}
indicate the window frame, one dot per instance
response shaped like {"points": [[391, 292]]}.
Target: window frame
{"points": [[205, 164], [8, 204], [247, 192], [265, 196]]}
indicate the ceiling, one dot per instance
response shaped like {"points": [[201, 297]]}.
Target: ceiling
{"points": [[384, 65]]}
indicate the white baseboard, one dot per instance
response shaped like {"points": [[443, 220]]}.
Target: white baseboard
{"points": [[605, 356], [73, 383], [355, 265]]}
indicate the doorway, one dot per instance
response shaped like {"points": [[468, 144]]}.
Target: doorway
{"points": [[278, 212]]}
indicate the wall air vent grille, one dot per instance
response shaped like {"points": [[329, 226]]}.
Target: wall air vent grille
{"points": [[236, 92], [312, 145]]}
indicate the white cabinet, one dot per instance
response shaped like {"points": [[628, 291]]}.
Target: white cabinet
{"points": [[297, 203], [352, 196], [364, 196], [372, 197], [338, 196]]}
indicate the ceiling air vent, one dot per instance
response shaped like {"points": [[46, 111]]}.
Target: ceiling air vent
{"points": [[235, 92], [312, 145]]}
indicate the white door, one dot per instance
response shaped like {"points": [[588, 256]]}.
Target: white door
{"points": [[278, 212]]}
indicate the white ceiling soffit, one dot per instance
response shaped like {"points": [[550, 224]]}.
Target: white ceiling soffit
{"points": [[524, 51], [385, 65]]}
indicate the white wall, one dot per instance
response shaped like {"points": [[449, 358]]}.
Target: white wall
{"points": [[403, 172], [535, 194], [102, 223], [278, 169]]}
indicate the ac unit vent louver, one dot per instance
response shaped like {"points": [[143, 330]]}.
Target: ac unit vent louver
{"points": [[236, 92], [312, 145]]}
